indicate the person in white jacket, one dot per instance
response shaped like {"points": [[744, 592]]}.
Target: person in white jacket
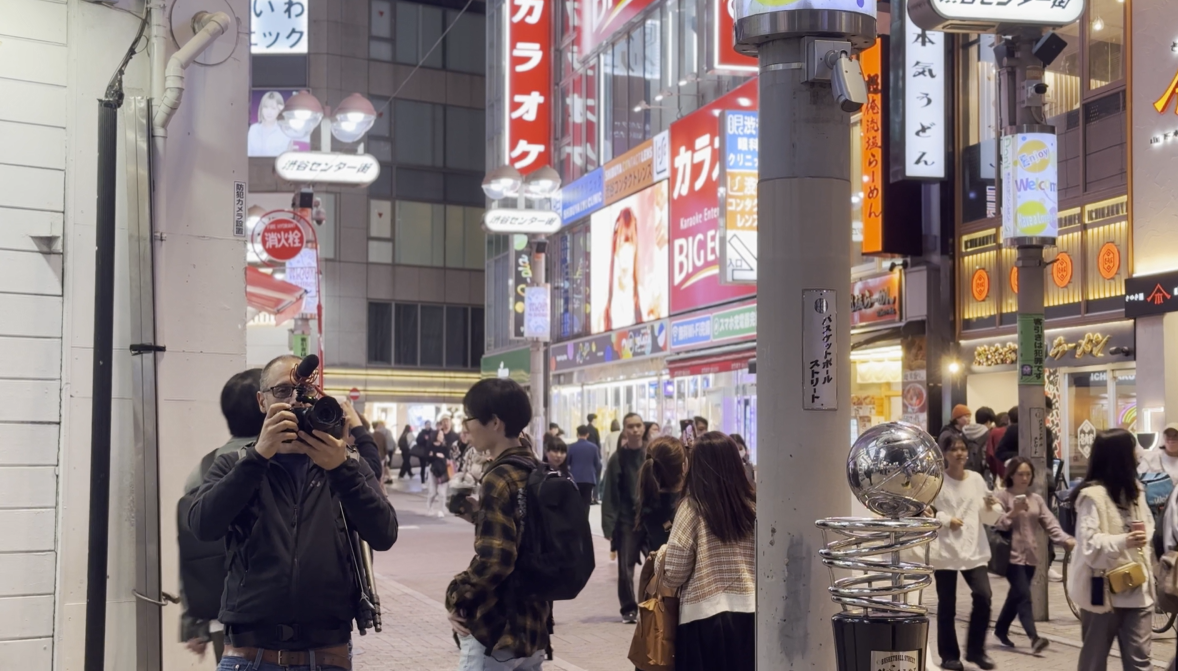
{"points": [[1113, 528], [963, 506]]}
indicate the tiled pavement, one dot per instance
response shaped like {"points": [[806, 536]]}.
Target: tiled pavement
{"points": [[416, 637]]}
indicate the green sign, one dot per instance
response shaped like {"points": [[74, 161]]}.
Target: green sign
{"points": [[515, 364], [300, 345], [736, 323], [1031, 348]]}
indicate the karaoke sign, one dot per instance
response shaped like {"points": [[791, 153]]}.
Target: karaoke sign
{"points": [[528, 85]]}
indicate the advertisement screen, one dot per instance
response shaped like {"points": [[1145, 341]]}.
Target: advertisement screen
{"points": [[1030, 176], [629, 261], [265, 138]]}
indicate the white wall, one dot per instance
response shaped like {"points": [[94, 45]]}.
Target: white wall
{"points": [[997, 390], [33, 122]]}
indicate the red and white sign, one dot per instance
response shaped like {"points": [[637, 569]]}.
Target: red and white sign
{"points": [[279, 236], [529, 84], [695, 205], [600, 19], [354, 394], [724, 41]]}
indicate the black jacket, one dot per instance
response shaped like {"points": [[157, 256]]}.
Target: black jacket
{"points": [[289, 562]]}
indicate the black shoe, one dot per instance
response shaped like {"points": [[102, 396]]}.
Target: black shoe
{"points": [[983, 661], [1004, 639], [952, 665], [1039, 645], [630, 618]]}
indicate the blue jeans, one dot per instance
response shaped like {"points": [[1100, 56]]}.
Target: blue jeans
{"points": [[533, 663], [242, 664]]}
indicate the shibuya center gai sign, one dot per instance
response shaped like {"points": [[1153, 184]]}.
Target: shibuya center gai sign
{"points": [[537, 222], [981, 16], [327, 168]]}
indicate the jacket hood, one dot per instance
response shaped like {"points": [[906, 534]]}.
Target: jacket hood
{"points": [[974, 431]]}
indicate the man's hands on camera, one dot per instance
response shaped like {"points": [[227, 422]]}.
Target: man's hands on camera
{"points": [[278, 431], [327, 451], [351, 417]]}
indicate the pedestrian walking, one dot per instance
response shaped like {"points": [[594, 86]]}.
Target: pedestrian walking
{"points": [[1001, 424], [660, 488], [438, 462], [556, 455], [963, 506], [619, 510], [710, 558], [1025, 511], [955, 428], [404, 445], [1113, 527], [749, 469], [585, 464], [594, 434]]}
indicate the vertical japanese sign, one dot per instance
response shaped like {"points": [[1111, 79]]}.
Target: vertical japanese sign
{"points": [[724, 52], [819, 350], [920, 152], [528, 128], [873, 158], [581, 107], [278, 26], [695, 210], [1030, 177], [303, 271], [1031, 349], [521, 276], [738, 200]]}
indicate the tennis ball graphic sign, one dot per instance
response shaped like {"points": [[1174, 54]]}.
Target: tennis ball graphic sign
{"points": [[1030, 182], [743, 8]]}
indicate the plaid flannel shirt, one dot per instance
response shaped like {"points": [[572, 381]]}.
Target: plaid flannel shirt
{"points": [[485, 592]]}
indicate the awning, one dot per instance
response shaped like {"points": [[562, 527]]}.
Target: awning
{"points": [[265, 293], [720, 360]]}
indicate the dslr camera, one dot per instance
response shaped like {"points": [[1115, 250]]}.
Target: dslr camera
{"points": [[320, 412]]}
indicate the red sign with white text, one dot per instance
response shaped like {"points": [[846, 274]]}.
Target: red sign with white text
{"points": [[600, 19], [279, 236], [724, 40], [695, 205], [529, 84]]}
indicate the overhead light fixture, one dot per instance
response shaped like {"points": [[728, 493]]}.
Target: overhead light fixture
{"points": [[353, 118], [502, 182], [954, 368], [300, 115], [1097, 24], [543, 183]]}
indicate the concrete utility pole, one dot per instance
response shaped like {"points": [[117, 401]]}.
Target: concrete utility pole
{"points": [[1021, 97], [804, 204]]}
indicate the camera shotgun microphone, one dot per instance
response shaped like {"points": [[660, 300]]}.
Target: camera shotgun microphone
{"points": [[306, 369]]}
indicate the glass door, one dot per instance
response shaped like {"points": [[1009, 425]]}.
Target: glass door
{"points": [[1094, 400]]}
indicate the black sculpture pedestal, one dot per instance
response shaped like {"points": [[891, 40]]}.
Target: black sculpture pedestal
{"points": [[880, 644]]}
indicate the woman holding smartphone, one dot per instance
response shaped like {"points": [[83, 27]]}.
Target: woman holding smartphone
{"points": [[1113, 527], [1024, 511]]}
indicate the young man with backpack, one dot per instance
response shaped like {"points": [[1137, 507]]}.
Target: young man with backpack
{"points": [[532, 540], [976, 436]]}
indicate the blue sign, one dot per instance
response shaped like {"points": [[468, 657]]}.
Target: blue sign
{"points": [[582, 197], [695, 331], [740, 140]]}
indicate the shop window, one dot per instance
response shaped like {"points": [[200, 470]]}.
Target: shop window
{"points": [[1063, 76], [380, 333], [1106, 42]]}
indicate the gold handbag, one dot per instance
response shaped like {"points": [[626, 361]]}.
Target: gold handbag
{"points": [[653, 645], [1125, 577]]}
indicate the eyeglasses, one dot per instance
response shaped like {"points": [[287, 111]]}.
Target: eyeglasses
{"points": [[465, 420], [281, 392]]}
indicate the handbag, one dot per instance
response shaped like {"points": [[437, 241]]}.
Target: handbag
{"points": [[1166, 577], [1125, 577], [999, 551], [653, 645]]}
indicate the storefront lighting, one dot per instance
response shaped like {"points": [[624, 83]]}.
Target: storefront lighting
{"points": [[543, 183], [1097, 25], [502, 182], [954, 368], [877, 354], [301, 115], [352, 119]]}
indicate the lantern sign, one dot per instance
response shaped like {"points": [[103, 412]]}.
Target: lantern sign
{"points": [[279, 236]]}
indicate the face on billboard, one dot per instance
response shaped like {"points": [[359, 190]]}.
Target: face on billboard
{"points": [[629, 260], [265, 138], [695, 205]]}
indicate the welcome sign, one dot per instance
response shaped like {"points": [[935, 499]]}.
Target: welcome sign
{"points": [[1030, 181]]}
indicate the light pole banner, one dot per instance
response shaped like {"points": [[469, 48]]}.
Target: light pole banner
{"points": [[738, 199], [1030, 179], [745, 8]]}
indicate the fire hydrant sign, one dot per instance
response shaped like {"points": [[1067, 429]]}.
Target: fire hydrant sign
{"points": [[279, 237]]}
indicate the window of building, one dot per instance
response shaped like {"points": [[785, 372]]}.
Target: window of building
{"points": [[1106, 42], [465, 239], [438, 336], [418, 28], [380, 231], [380, 30], [464, 136], [466, 43], [429, 234], [1063, 76], [419, 132], [380, 333]]}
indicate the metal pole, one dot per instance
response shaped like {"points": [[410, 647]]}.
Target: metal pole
{"points": [[1022, 111], [539, 278], [804, 205]]}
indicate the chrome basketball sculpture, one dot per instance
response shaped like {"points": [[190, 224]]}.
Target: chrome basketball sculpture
{"points": [[895, 470]]}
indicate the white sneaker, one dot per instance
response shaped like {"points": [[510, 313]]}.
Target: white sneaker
{"points": [[441, 514], [1054, 576]]}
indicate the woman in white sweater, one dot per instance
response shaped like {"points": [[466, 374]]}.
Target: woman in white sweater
{"points": [[963, 506], [1113, 526], [711, 560]]}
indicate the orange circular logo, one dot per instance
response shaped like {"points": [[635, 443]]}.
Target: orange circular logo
{"points": [[979, 285], [1108, 260], [1061, 270], [1014, 279]]}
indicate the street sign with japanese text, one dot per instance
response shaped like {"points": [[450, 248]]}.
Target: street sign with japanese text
{"points": [[327, 168], [1151, 295], [278, 26], [528, 85], [919, 151], [534, 222], [738, 198], [279, 236], [1031, 349], [723, 42], [819, 350], [538, 313], [871, 127], [967, 16]]}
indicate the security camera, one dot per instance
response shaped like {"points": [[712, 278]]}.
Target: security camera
{"points": [[1040, 88], [1048, 48], [846, 81]]}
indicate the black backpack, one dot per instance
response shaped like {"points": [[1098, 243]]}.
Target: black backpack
{"points": [[202, 565], [976, 461], [556, 555]]}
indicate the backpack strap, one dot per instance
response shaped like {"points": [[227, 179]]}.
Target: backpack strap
{"points": [[521, 496]]}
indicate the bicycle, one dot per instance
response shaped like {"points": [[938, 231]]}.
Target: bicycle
{"points": [[1162, 620]]}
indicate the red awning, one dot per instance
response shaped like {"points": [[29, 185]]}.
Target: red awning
{"points": [[714, 363], [267, 294]]}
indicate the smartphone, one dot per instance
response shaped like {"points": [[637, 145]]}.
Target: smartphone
{"points": [[1021, 498], [1098, 590]]}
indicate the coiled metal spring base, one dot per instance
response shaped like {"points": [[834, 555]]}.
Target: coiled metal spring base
{"points": [[870, 548]]}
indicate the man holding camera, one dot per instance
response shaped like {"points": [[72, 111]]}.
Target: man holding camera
{"points": [[284, 504]]}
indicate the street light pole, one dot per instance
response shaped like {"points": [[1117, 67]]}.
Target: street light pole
{"points": [[539, 279]]}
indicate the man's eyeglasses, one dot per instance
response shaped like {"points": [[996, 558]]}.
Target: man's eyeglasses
{"points": [[281, 392]]}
